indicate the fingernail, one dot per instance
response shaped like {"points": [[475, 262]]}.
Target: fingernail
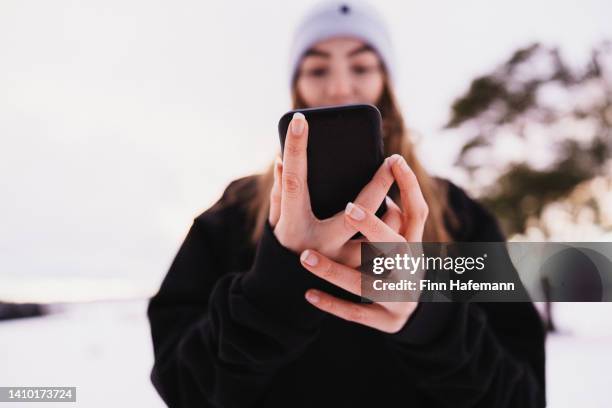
{"points": [[354, 212], [309, 258], [388, 201], [404, 166], [312, 297], [278, 161], [394, 158], [297, 123]]}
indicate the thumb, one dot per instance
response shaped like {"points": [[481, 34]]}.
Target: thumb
{"points": [[393, 216]]}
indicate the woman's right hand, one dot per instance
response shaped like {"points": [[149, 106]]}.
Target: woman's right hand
{"points": [[291, 217]]}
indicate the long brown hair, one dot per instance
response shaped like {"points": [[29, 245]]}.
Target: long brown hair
{"points": [[396, 140]]}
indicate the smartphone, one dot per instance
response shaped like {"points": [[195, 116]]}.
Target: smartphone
{"points": [[345, 148]]}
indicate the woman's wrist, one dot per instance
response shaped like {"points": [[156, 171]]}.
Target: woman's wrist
{"points": [[277, 282]]}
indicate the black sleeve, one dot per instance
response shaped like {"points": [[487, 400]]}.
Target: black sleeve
{"points": [[474, 354], [219, 336]]}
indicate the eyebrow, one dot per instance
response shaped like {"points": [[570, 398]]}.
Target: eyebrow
{"points": [[319, 53]]}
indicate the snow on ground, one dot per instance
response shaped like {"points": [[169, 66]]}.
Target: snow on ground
{"points": [[104, 349]]}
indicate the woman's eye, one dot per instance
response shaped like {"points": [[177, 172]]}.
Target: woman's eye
{"points": [[316, 72], [362, 69]]}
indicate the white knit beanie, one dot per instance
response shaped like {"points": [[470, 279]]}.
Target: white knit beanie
{"points": [[342, 18]]}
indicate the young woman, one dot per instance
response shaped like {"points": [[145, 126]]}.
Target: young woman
{"points": [[236, 322]]}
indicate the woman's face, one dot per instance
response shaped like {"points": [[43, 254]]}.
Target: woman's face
{"points": [[338, 71]]}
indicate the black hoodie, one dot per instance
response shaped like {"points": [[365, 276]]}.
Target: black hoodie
{"points": [[231, 328]]}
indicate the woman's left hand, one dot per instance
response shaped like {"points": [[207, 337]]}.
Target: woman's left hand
{"points": [[388, 317]]}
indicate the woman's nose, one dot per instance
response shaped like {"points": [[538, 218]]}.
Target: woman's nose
{"points": [[339, 87]]}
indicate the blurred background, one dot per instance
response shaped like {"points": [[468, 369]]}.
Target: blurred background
{"points": [[120, 121]]}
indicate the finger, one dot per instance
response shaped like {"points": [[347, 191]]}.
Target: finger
{"points": [[393, 216], [372, 315], [414, 206], [275, 194], [370, 197], [372, 227], [294, 190], [373, 193], [350, 253], [338, 274]]}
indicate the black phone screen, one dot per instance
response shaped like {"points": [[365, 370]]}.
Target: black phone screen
{"points": [[345, 148]]}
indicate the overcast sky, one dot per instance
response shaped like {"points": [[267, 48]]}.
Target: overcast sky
{"points": [[120, 121]]}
